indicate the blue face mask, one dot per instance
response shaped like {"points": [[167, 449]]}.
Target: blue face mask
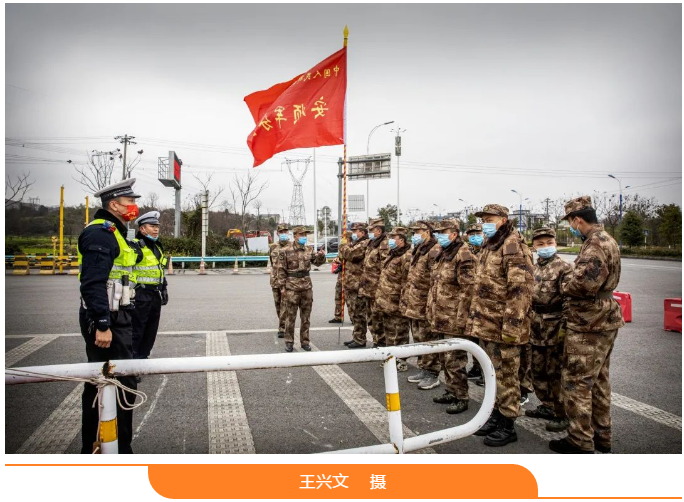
{"points": [[284, 237], [153, 239], [371, 236], [392, 243], [302, 240], [575, 232], [489, 229], [355, 237], [443, 240], [417, 240], [476, 240], [546, 252]]}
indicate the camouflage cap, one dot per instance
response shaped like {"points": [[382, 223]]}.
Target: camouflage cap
{"points": [[359, 225], [282, 227], [447, 224], [301, 230], [578, 204], [544, 232], [475, 227], [400, 231], [376, 222], [422, 225], [493, 209]]}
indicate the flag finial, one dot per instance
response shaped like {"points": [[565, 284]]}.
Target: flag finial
{"points": [[346, 34]]}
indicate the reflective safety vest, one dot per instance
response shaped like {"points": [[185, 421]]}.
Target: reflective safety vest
{"points": [[150, 270], [123, 264]]}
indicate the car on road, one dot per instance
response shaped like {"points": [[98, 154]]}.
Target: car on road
{"points": [[332, 245]]}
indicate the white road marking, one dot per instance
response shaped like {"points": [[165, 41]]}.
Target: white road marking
{"points": [[229, 430], [152, 407], [58, 430], [196, 332], [646, 410], [15, 355], [367, 409]]}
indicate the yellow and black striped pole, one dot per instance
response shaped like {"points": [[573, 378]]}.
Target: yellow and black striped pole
{"points": [[393, 403], [108, 435]]}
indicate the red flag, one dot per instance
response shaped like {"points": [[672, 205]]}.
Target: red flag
{"points": [[305, 112]]}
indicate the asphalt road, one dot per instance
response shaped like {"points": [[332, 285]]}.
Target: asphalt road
{"points": [[305, 410]]}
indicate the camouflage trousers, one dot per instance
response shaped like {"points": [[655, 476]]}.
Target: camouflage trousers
{"points": [[396, 329], [547, 362], [279, 311], [357, 306], [375, 322], [454, 365], [422, 333], [338, 299], [585, 384], [294, 301], [506, 361], [476, 341], [525, 371]]}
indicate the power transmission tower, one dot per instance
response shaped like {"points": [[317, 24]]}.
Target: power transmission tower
{"points": [[126, 140], [297, 211]]}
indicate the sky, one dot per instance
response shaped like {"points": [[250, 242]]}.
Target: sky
{"points": [[546, 100]]}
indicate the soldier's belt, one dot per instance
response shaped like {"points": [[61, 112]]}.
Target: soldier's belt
{"points": [[547, 309], [298, 275], [150, 287], [604, 295]]}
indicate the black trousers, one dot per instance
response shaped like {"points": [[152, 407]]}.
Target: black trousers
{"points": [[120, 348], [145, 320]]}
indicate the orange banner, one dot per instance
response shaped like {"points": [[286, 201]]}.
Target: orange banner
{"points": [[333, 481]]}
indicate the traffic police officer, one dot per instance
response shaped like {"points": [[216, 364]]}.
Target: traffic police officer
{"points": [[151, 286], [106, 263]]}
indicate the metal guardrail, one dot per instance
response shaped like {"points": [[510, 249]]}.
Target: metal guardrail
{"points": [[388, 355]]}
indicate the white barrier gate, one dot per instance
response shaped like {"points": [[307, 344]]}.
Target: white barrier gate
{"points": [[96, 372]]}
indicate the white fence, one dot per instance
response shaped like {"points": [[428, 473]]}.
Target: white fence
{"points": [[103, 374]]}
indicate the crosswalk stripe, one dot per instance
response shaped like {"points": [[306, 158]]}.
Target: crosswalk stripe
{"points": [[229, 430], [57, 432], [15, 355], [367, 409], [646, 410]]}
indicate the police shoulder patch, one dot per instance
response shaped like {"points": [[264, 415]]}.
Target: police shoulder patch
{"points": [[109, 226]]}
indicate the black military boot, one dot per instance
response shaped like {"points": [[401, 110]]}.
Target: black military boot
{"points": [[565, 446], [458, 406], [446, 398], [281, 334], [541, 411], [490, 425], [289, 346], [504, 434], [475, 373]]}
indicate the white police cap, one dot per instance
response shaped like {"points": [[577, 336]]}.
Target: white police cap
{"points": [[121, 189], [152, 218]]}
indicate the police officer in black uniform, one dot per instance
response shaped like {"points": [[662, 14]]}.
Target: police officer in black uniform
{"points": [[151, 287], [105, 260]]}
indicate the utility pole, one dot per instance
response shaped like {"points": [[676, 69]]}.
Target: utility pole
{"points": [[126, 140], [547, 200], [86, 208], [397, 152]]}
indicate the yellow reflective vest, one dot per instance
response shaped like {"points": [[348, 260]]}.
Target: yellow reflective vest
{"points": [[150, 270], [123, 263]]}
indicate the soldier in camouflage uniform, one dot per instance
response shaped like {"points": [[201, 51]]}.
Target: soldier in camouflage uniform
{"points": [[283, 233], [525, 373], [354, 255], [548, 329], [452, 279], [337, 319], [475, 240], [593, 319], [425, 251], [393, 277], [376, 254], [293, 266], [501, 316]]}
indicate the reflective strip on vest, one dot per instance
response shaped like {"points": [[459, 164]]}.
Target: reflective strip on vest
{"points": [[147, 280], [150, 269], [123, 263]]}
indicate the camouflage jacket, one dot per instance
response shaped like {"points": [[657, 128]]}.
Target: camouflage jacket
{"points": [[547, 301], [293, 265], [392, 281], [273, 251], [474, 249], [414, 298], [451, 278], [502, 294], [353, 255], [589, 288], [376, 254]]}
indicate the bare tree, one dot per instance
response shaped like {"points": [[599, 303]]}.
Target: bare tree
{"points": [[257, 205], [244, 191], [152, 201], [131, 163], [98, 170], [214, 193], [17, 189]]}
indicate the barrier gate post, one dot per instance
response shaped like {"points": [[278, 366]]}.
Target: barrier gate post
{"points": [[108, 431], [393, 403]]}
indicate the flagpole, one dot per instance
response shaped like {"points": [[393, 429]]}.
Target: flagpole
{"points": [[342, 230], [315, 207]]}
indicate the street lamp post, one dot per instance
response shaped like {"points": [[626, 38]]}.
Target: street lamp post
{"points": [[466, 211], [398, 130], [620, 186], [520, 211], [368, 153]]}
